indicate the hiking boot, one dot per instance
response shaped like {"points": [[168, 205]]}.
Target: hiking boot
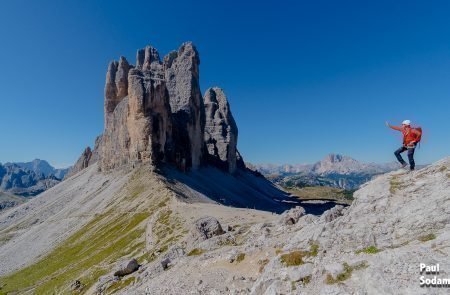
{"points": [[404, 165]]}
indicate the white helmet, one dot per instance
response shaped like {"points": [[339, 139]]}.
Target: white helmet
{"points": [[406, 122]]}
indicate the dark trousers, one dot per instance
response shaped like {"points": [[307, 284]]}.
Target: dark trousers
{"points": [[397, 153]]}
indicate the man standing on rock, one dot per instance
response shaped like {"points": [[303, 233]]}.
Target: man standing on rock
{"points": [[411, 137]]}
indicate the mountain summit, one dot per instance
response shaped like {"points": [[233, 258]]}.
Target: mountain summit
{"points": [[333, 170], [154, 112], [339, 164]]}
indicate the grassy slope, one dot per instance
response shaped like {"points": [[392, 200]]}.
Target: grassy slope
{"points": [[93, 250]]}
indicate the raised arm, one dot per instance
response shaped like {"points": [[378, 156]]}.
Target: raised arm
{"points": [[393, 127]]}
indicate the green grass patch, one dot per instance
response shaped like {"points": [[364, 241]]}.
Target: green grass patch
{"points": [[395, 185], [293, 258], [296, 257], [345, 274], [196, 252], [167, 230], [240, 257], [314, 250], [116, 286], [368, 250], [427, 238]]}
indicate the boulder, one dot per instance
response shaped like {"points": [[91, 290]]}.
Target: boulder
{"points": [[221, 131], [208, 227], [126, 267], [292, 216], [175, 252], [333, 213], [166, 263]]}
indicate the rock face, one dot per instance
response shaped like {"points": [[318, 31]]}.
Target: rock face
{"points": [[182, 76], [116, 86], [221, 131], [87, 158], [154, 112], [139, 128]]}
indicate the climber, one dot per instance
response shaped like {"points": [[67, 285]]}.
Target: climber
{"points": [[411, 137]]}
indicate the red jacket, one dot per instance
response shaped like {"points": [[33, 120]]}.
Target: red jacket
{"points": [[410, 135]]}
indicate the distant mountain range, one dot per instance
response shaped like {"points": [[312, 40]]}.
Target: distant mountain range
{"points": [[28, 179], [42, 166], [334, 170]]}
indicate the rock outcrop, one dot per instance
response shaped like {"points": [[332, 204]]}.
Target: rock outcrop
{"points": [[154, 112], [221, 131], [208, 227], [87, 158]]}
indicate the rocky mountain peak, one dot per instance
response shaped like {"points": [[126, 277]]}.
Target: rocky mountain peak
{"points": [[339, 164], [155, 112], [146, 57], [334, 158], [221, 131]]}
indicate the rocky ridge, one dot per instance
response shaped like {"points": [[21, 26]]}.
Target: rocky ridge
{"points": [[43, 167], [374, 246], [17, 180], [334, 170]]}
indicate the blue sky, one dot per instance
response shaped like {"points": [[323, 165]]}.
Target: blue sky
{"points": [[304, 78]]}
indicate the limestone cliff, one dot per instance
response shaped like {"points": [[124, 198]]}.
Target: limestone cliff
{"points": [[154, 112], [221, 131]]}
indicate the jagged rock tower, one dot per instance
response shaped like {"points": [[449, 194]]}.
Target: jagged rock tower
{"points": [[220, 131], [182, 81], [154, 112]]}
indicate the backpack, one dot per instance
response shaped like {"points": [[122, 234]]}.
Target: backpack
{"points": [[419, 137]]}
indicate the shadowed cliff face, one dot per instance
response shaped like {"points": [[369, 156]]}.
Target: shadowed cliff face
{"points": [[221, 131]]}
